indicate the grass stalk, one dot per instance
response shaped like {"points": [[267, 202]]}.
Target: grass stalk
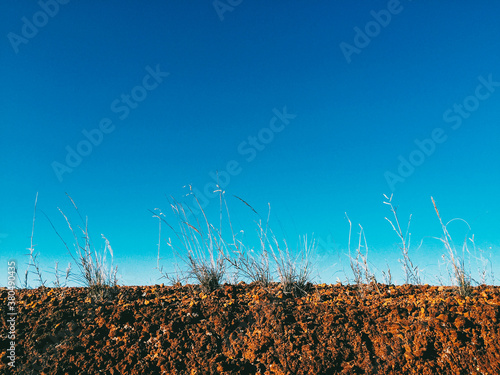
{"points": [[461, 277], [201, 243], [32, 255], [254, 266], [93, 267], [412, 272], [363, 276]]}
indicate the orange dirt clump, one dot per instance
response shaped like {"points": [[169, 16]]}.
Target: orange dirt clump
{"points": [[245, 329]]}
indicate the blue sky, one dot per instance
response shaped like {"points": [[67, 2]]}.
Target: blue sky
{"points": [[317, 108]]}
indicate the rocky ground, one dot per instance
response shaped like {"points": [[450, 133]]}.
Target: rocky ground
{"points": [[245, 329]]}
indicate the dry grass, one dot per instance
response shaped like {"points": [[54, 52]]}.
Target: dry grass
{"points": [[57, 282], [209, 256], [94, 272], [412, 272], [93, 267], [294, 273], [254, 265], [33, 262], [202, 247], [461, 277], [363, 276]]}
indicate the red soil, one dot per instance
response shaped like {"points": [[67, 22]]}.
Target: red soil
{"points": [[244, 329]]}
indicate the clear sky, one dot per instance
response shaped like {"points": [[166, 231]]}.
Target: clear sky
{"points": [[318, 108]]}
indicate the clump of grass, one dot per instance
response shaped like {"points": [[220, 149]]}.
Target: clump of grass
{"points": [[208, 255], [363, 276], [253, 265], [294, 273], [412, 272], [57, 282], [33, 262], [387, 276], [461, 278], [201, 242], [483, 265], [95, 275]]}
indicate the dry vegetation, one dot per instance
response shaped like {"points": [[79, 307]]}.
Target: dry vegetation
{"points": [[211, 255]]}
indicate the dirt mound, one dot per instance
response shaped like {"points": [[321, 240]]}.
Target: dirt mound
{"points": [[244, 329]]}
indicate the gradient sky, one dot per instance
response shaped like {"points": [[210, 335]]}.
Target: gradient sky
{"points": [[318, 108]]}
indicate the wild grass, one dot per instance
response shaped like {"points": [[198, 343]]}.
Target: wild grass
{"points": [[363, 276], [412, 272], [202, 246], [209, 255], [482, 265], [460, 276], [94, 272], [254, 265], [294, 273], [211, 252], [33, 262], [387, 276], [57, 282]]}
